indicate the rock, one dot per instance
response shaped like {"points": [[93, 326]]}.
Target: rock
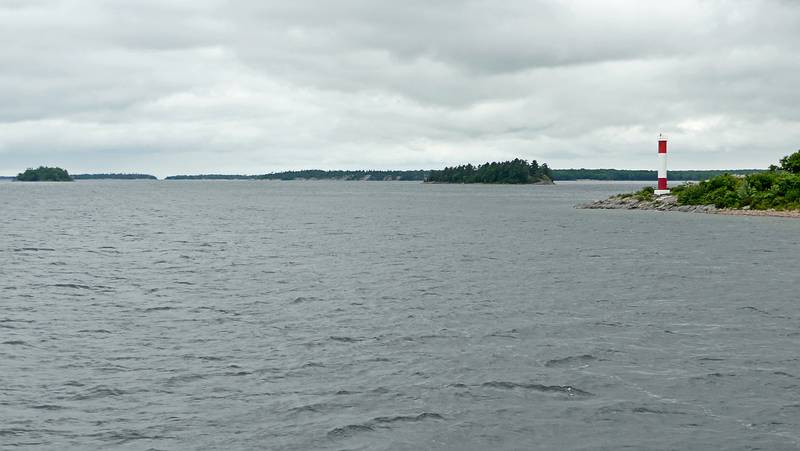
{"points": [[670, 203]]}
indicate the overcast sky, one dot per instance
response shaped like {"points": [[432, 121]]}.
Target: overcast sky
{"points": [[196, 86]]}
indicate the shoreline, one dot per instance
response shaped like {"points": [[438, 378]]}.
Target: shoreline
{"points": [[670, 203]]}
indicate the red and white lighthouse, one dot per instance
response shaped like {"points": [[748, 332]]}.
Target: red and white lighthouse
{"points": [[662, 166]]}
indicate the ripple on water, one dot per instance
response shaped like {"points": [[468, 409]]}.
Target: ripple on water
{"points": [[565, 389], [98, 392], [345, 339], [305, 299], [570, 361], [74, 286], [47, 407], [472, 309], [380, 422], [15, 343], [157, 309]]}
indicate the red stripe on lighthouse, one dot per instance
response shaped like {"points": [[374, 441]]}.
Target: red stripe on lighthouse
{"points": [[662, 146], [662, 183]]}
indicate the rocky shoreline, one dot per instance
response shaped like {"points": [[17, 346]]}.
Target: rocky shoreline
{"points": [[670, 203]]}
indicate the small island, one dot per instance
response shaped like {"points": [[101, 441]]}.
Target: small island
{"points": [[775, 192], [44, 174], [516, 172]]}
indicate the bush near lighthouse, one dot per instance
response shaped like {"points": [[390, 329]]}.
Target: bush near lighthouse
{"points": [[776, 189]]}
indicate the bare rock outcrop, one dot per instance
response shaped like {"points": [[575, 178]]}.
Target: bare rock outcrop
{"points": [[670, 203]]}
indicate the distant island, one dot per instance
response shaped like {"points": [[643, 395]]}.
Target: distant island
{"points": [[44, 174], [775, 192], [641, 175], [463, 174], [211, 177], [421, 175], [114, 177], [315, 174], [516, 172]]}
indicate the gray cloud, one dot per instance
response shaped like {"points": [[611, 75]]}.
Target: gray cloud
{"points": [[222, 85]]}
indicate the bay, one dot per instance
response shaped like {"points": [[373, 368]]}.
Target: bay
{"points": [[390, 315]]}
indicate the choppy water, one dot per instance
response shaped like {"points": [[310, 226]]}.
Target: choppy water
{"points": [[359, 315]]}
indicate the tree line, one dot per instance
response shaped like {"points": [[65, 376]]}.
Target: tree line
{"points": [[114, 176], [315, 174], [639, 175]]}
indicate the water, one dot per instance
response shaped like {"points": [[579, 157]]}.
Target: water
{"points": [[368, 315]]}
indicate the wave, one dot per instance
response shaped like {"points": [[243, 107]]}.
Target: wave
{"points": [[628, 407], [349, 430], [73, 286], [570, 361], [656, 411], [47, 407], [158, 309], [376, 422], [304, 299], [754, 309], [408, 418], [14, 342], [345, 339], [566, 389], [99, 391], [513, 333]]}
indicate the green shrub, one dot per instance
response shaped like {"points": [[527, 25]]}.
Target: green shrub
{"points": [[778, 190], [645, 194], [791, 163]]}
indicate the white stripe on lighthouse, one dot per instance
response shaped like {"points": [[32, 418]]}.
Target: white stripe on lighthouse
{"points": [[662, 165]]}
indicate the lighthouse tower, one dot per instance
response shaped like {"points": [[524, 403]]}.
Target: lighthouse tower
{"points": [[662, 166]]}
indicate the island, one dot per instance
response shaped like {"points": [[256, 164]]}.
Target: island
{"points": [[638, 175], [516, 172], [315, 174], [775, 192], [114, 176], [460, 172], [44, 174]]}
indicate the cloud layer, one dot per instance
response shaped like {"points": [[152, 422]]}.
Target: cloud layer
{"points": [[257, 86]]}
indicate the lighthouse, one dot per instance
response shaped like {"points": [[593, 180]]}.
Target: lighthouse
{"points": [[662, 166]]}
